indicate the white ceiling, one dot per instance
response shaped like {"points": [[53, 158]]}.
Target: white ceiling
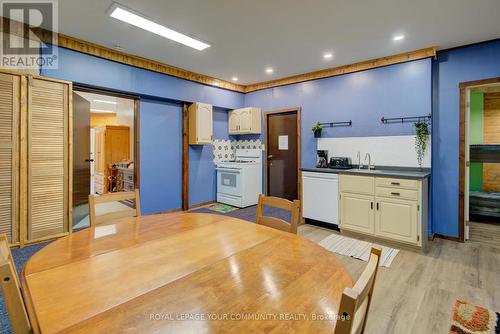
{"points": [[115, 105], [289, 35]]}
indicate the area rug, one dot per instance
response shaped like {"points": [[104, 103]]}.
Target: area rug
{"points": [[221, 208], [357, 249], [473, 319]]}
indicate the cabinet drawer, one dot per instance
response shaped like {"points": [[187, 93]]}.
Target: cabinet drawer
{"points": [[396, 183], [357, 184], [397, 193]]}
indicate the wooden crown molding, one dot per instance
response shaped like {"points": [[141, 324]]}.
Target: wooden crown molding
{"points": [[93, 49], [356, 67]]}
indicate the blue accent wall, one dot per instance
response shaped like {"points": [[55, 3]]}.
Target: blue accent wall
{"points": [[202, 172], [363, 97], [476, 62], [160, 156], [160, 171], [85, 69]]}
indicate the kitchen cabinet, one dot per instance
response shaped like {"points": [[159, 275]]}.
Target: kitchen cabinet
{"points": [[357, 212], [35, 158], [320, 197], [245, 121], [396, 219], [385, 207], [200, 124]]}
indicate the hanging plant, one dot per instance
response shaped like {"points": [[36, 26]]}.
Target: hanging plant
{"points": [[421, 140], [317, 130]]}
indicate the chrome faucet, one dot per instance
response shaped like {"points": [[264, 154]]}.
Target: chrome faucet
{"points": [[369, 161], [359, 160]]}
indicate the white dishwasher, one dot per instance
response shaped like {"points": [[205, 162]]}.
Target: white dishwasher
{"points": [[320, 196]]}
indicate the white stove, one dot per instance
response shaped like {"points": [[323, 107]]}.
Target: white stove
{"points": [[239, 182]]}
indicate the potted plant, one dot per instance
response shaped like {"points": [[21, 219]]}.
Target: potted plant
{"points": [[317, 130], [421, 140]]}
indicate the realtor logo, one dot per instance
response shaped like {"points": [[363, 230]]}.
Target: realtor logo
{"points": [[29, 35]]}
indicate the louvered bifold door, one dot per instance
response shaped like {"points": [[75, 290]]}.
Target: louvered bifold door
{"points": [[48, 158], [9, 156]]}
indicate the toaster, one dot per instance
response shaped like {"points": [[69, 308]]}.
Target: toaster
{"points": [[340, 163]]}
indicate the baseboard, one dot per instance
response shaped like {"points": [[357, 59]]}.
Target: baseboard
{"points": [[445, 237], [197, 206], [314, 222]]}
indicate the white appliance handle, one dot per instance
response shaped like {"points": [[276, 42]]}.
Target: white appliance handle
{"points": [[229, 170]]}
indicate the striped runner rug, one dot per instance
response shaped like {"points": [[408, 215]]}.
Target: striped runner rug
{"points": [[357, 249]]}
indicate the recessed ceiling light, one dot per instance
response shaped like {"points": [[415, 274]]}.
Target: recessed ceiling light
{"points": [[269, 70], [118, 12], [104, 101], [216, 83], [328, 55], [398, 38], [234, 78]]}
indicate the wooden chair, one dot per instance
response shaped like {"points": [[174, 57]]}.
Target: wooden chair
{"points": [[355, 302], [277, 223], [113, 197], [11, 290]]}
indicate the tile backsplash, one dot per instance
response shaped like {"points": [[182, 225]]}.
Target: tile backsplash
{"points": [[225, 150]]}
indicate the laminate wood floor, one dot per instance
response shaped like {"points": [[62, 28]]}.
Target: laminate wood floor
{"points": [[485, 233], [416, 294]]}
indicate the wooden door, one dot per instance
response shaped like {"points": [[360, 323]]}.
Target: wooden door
{"points": [[396, 219], [48, 164], [204, 123], [282, 155], [9, 155], [117, 144], [81, 157], [357, 212]]}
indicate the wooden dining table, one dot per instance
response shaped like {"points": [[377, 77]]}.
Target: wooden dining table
{"points": [[183, 273]]}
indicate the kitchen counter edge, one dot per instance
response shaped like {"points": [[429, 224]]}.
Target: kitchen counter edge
{"points": [[401, 173]]}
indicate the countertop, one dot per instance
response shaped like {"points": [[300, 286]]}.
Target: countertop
{"points": [[401, 172]]}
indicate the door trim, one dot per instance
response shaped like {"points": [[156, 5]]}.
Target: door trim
{"points": [[298, 110], [137, 122], [464, 86]]}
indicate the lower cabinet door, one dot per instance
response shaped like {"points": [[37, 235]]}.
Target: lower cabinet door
{"points": [[356, 212], [396, 219]]}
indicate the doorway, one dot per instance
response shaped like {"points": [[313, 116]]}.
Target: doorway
{"points": [[104, 152], [481, 161], [283, 153]]}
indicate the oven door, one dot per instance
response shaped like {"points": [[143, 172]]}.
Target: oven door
{"points": [[229, 181]]}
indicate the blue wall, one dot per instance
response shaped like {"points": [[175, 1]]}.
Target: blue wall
{"points": [[363, 97], [160, 156], [160, 127], [202, 173], [481, 61]]}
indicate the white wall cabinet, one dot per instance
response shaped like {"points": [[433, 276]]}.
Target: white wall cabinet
{"points": [[200, 124], [387, 208], [245, 121]]}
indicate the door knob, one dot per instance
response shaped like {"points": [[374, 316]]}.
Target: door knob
{"points": [[269, 156], [89, 160]]}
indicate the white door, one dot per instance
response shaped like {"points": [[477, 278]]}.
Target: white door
{"points": [[204, 126], [396, 219]]}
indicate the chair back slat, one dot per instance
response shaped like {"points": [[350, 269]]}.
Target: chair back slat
{"points": [[276, 223], [355, 302], [11, 290], [113, 197]]}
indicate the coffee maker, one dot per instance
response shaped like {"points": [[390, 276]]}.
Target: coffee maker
{"points": [[322, 159]]}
